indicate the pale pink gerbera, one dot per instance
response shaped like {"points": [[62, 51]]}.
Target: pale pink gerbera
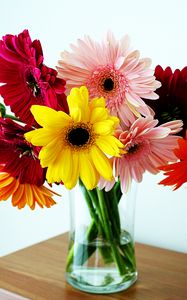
{"points": [[113, 71], [147, 146]]}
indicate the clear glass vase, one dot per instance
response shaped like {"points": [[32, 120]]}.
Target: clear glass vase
{"points": [[101, 256]]}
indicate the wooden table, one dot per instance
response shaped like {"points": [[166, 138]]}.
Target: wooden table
{"points": [[37, 273]]}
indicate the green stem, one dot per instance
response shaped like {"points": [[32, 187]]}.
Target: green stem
{"points": [[13, 118], [113, 216], [88, 199], [92, 232], [112, 203], [91, 200], [107, 228], [129, 255], [91, 235], [105, 222], [96, 204], [117, 190]]}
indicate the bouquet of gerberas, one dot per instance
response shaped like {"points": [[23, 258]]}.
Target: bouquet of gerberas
{"points": [[101, 136]]}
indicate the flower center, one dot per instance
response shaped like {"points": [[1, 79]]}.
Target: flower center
{"points": [[137, 150], [24, 150], [108, 84], [31, 82], [78, 136], [106, 81], [133, 149]]}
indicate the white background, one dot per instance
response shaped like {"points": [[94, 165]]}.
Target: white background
{"points": [[158, 29]]}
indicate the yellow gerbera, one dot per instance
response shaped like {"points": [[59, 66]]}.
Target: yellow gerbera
{"points": [[76, 145], [24, 193]]}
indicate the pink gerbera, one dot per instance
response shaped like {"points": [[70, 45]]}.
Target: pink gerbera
{"points": [[147, 146], [113, 71], [26, 79]]}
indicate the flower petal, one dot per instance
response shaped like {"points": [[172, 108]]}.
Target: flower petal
{"points": [[102, 163], [88, 173], [104, 127], [40, 137], [109, 145], [48, 117], [98, 114]]}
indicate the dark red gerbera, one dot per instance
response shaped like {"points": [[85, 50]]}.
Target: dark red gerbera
{"points": [[172, 102], [26, 79], [18, 157]]}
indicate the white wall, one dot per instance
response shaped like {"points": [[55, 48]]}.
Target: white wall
{"points": [[158, 30]]}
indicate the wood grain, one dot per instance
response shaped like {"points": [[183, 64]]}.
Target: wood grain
{"points": [[37, 273]]}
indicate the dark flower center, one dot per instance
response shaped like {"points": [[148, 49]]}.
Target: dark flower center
{"points": [[133, 148], [33, 85], [24, 149], [78, 136], [108, 84]]}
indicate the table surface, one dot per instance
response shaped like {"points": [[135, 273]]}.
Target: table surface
{"points": [[37, 273]]}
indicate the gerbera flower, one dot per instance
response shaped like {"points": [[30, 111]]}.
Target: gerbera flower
{"points": [[26, 79], [21, 175], [177, 172], [75, 145], [23, 194], [172, 103], [18, 157], [111, 70], [147, 148]]}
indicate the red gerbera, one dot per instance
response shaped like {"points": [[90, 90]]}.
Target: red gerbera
{"points": [[21, 175], [17, 156], [177, 173], [172, 104], [26, 79]]}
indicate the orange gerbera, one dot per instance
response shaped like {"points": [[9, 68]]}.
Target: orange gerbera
{"points": [[177, 173], [24, 193]]}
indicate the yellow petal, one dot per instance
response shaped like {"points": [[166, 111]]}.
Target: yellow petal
{"points": [[40, 137], [104, 127], [49, 152], [88, 173], [102, 163], [62, 168], [115, 120], [84, 95], [75, 174], [78, 99], [56, 171], [76, 114], [50, 174], [109, 145], [48, 117], [98, 102], [98, 114], [66, 167]]}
